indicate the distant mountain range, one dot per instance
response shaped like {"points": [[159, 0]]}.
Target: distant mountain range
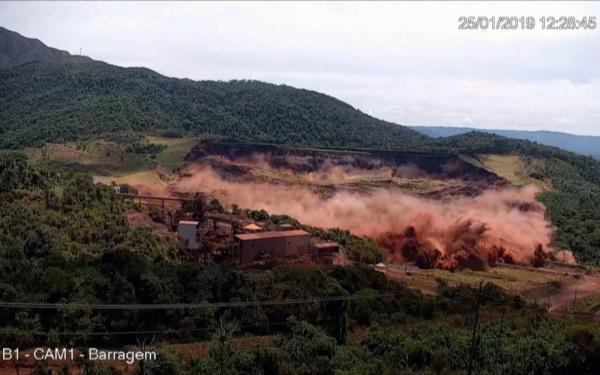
{"points": [[581, 144]]}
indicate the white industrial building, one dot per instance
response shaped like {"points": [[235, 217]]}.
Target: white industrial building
{"points": [[188, 233]]}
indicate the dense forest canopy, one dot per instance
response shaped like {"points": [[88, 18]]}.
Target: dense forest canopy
{"points": [[79, 98]]}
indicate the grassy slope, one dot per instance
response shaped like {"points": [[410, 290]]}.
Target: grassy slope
{"points": [[530, 283], [107, 158], [149, 179], [588, 305], [177, 149], [97, 156], [514, 168], [511, 167]]}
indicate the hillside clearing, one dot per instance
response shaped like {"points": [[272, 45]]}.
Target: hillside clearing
{"points": [[147, 181], [515, 169], [97, 156], [177, 149], [106, 158]]}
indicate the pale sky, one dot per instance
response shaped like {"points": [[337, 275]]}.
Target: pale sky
{"points": [[403, 62]]}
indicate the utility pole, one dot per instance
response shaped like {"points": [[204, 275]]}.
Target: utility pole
{"points": [[47, 182], [474, 335], [503, 311]]}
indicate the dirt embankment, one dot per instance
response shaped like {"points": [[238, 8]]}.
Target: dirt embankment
{"points": [[432, 175]]}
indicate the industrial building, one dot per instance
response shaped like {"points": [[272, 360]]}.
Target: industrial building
{"points": [[187, 231], [326, 252], [276, 244]]}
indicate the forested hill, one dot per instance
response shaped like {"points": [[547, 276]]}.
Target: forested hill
{"points": [[15, 49], [77, 98], [581, 144]]}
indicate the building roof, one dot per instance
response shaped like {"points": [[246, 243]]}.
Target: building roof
{"points": [[188, 222], [274, 234], [252, 227], [325, 245]]}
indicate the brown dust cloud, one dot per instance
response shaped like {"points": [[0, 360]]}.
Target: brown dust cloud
{"points": [[506, 224]]}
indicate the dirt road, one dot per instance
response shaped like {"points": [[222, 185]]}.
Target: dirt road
{"points": [[561, 301]]}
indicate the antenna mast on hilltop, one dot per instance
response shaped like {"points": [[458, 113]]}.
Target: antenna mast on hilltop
{"points": [[80, 49]]}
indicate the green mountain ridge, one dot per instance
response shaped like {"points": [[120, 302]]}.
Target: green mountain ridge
{"points": [[75, 98], [16, 49]]}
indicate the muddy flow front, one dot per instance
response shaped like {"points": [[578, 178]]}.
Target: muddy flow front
{"points": [[406, 208]]}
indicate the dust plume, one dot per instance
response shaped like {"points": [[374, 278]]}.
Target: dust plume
{"points": [[477, 232]]}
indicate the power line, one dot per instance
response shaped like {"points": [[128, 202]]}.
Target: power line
{"points": [[472, 351], [123, 333], [6, 332], [185, 306]]}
